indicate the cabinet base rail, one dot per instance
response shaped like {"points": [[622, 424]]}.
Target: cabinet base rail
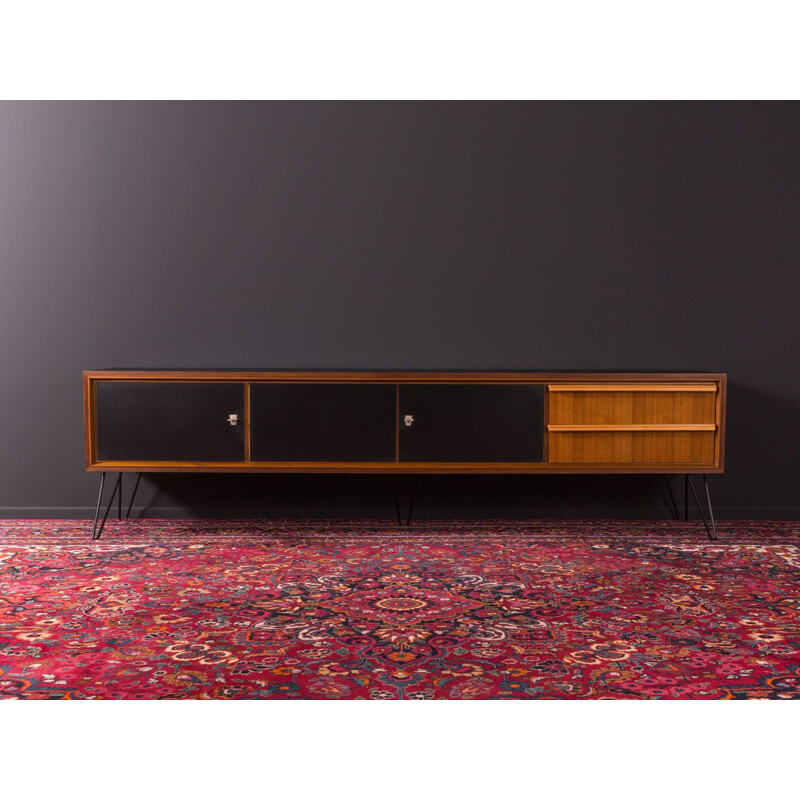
{"points": [[711, 529]]}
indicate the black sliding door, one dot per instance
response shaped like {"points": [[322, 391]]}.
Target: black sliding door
{"points": [[322, 422], [164, 421], [472, 423]]}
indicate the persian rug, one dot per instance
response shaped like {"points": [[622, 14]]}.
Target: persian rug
{"points": [[444, 610]]}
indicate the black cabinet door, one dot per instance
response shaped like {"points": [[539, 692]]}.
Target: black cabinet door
{"points": [[471, 423], [322, 422], [162, 421]]}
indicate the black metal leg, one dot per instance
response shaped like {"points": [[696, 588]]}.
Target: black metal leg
{"points": [[686, 497], [133, 496], [397, 500], [119, 498], [99, 500], [710, 508], [411, 502], [672, 497], [97, 532], [712, 531]]}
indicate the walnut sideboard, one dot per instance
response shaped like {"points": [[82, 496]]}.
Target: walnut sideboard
{"points": [[403, 422]]}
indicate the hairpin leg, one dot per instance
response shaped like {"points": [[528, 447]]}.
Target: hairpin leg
{"points": [[712, 531], [411, 502], [99, 500], [396, 500], [686, 497], [97, 532], [672, 497], [133, 496], [710, 507]]}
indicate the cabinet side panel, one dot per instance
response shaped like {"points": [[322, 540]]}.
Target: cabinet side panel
{"points": [[721, 416]]}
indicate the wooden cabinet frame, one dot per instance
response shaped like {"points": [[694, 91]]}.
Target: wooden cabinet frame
{"points": [[553, 382]]}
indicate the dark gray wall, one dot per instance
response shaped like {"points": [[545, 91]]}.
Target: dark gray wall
{"points": [[398, 235]]}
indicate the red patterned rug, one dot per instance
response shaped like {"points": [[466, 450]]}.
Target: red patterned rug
{"points": [[322, 610]]}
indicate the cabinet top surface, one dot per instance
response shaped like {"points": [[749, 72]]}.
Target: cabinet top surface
{"points": [[400, 372]]}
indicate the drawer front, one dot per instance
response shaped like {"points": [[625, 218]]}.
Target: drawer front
{"points": [[322, 422], [633, 424], [633, 407], [471, 423], [165, 421], [632, 447]]}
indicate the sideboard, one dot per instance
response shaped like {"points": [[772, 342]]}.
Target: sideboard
{"points": [[404, 422]]}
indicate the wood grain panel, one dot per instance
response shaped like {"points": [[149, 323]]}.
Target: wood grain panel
{"points": [[632, 408], [634, 447], [719, 447]]}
